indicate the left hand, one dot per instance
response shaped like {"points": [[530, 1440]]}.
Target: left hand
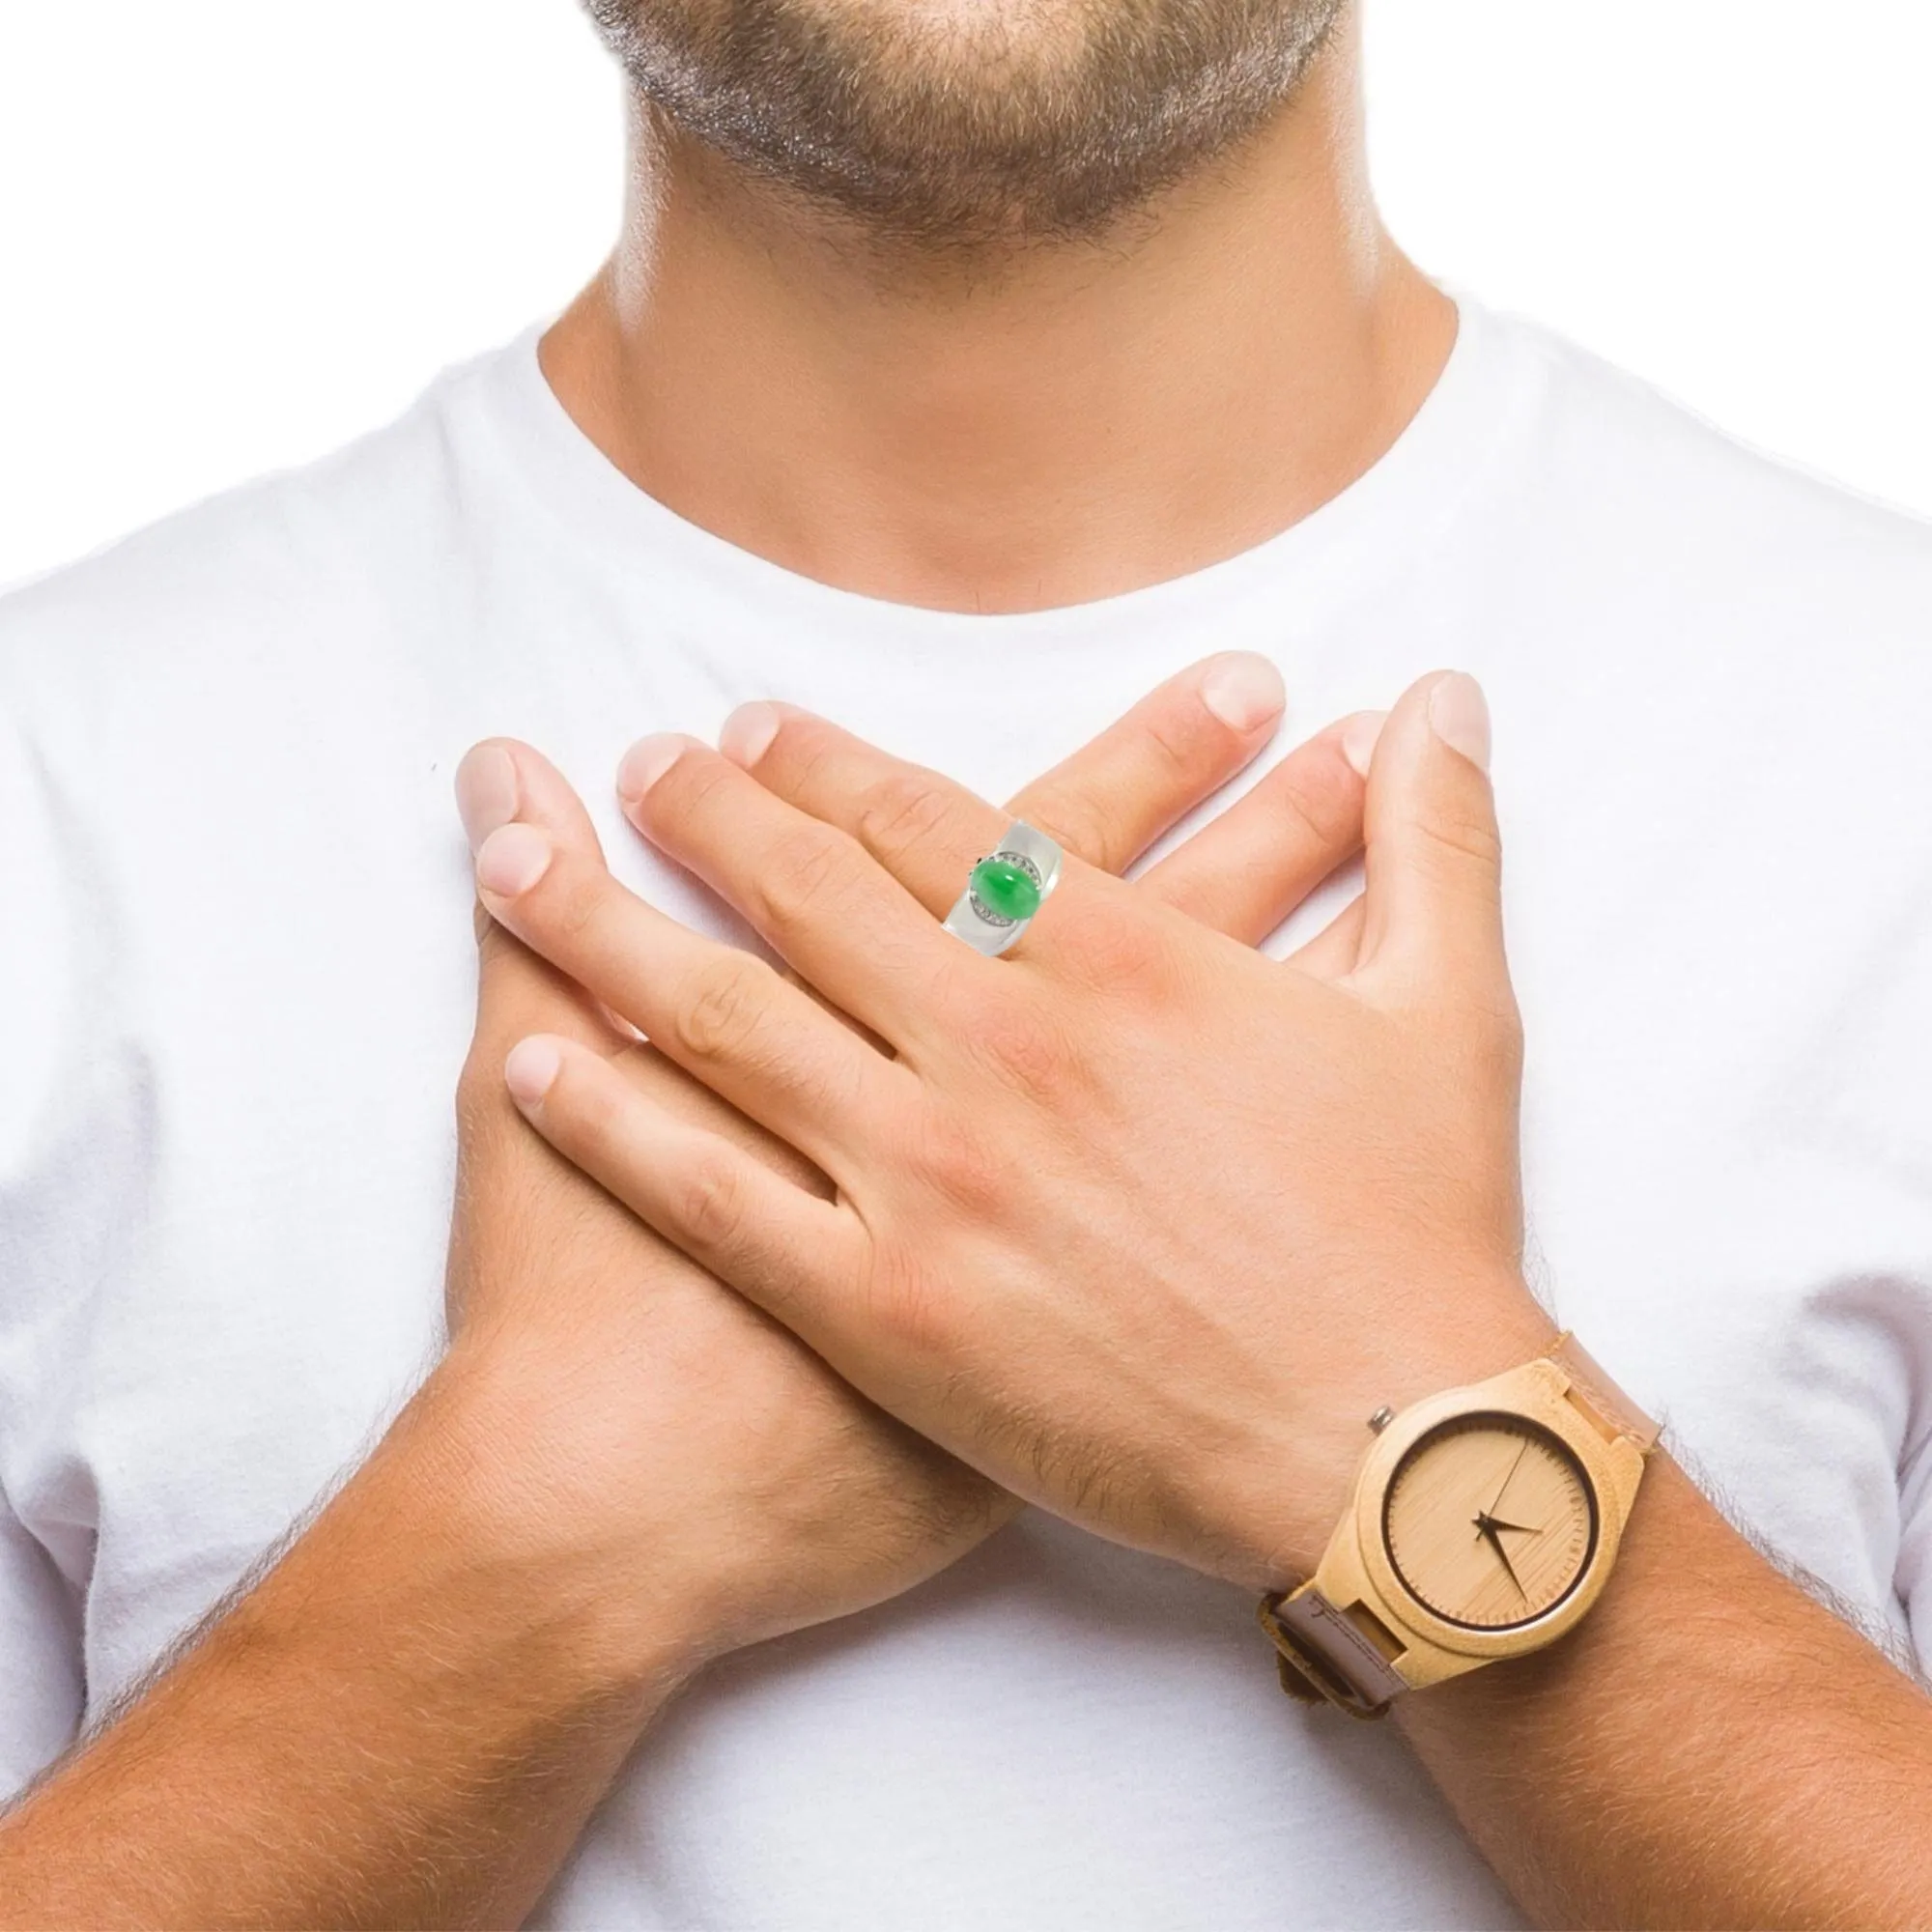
{"points": [[1139, 1222]]}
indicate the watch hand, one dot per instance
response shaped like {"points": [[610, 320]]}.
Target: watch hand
{"points": [[1511, 1477], [1486, 1526], [1522, 1528]]}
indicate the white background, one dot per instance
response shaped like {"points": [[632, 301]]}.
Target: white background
{"points": [[232, 234]]}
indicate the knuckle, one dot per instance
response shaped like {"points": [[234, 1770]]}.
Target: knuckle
{"points": [[722, 1010], [1079, 822], [1180, 745], [565, 907], [689, 788], [806, 871], [810, 753], [907, 1309], [1123, 957], [1457, 839], [1026, 1047], [1320, 804], [904, 812], [711, 1200], [950, 1160]]}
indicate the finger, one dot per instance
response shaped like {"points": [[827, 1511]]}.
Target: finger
{"points": [[517, 992], [1246, 870], [727, 1209], [827, 906], [523, 993], [1334, 952], [1435, 857], [719, 1012], [667, 1085], [501, 779], [1106, 804], [1181, 742], [924, 830]]}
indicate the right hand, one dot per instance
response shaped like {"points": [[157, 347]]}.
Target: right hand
{"points": [[679, 1470]]}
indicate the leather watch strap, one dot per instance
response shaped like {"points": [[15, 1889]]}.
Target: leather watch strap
{"points": [[1324, 1659], [1599, 1397]]}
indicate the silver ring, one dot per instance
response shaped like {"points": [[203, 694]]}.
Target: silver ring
{"points": [[1005, 890]]}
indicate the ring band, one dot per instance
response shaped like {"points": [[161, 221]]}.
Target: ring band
{"points": [[1006, 887]]}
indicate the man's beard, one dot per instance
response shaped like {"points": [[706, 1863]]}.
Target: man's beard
{"points": [[951, 123]]}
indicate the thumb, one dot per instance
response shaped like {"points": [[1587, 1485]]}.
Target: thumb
{"points": [[1434, 899]]}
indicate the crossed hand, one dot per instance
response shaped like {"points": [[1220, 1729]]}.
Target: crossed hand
{"points": [[1136, 1224]]}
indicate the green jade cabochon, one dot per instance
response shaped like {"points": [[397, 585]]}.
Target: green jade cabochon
{"points": [[1005, 889]]}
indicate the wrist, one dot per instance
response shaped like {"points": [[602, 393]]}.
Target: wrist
{"points": [[615, 1615], [1283, 1495]]}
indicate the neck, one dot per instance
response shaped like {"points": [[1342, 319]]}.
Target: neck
{"points": [[1065, 423]]}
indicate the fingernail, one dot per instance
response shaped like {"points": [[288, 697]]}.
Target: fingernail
{"points": [[748, 732], [1459, 714], [647, 761], [1243, 691], [512, 860], [1358, 739], [531, 1069], [486, 791]]}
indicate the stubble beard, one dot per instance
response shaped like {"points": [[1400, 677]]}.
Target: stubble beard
{"points": [[952, 124]]}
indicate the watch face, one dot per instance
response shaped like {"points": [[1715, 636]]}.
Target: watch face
{"points": [[1489, 1522]]}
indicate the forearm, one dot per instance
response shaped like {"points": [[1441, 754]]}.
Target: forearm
{"points": [[407, 1722], [1710, 1748]]}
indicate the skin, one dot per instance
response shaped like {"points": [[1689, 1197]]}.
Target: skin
{"points": [[619, 1472], [1167, 1323], [1028, 426], [961, 130], [1205, 1295]]}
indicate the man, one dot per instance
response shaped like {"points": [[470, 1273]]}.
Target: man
{"points": [[960, 378]]}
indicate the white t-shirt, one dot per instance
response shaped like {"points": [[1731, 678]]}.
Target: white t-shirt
{"points": [[237, 981]]}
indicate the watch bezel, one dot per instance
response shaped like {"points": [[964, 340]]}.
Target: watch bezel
{"points": [[1533, 1394], [1499, 1420]]}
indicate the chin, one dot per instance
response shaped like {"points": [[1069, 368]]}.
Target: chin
{"points": [[943, 121]]}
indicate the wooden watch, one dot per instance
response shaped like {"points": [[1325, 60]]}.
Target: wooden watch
{"points": [[1484, 1524]]}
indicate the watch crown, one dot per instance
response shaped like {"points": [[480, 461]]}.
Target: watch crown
{"points": [[1381, 1419]]}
